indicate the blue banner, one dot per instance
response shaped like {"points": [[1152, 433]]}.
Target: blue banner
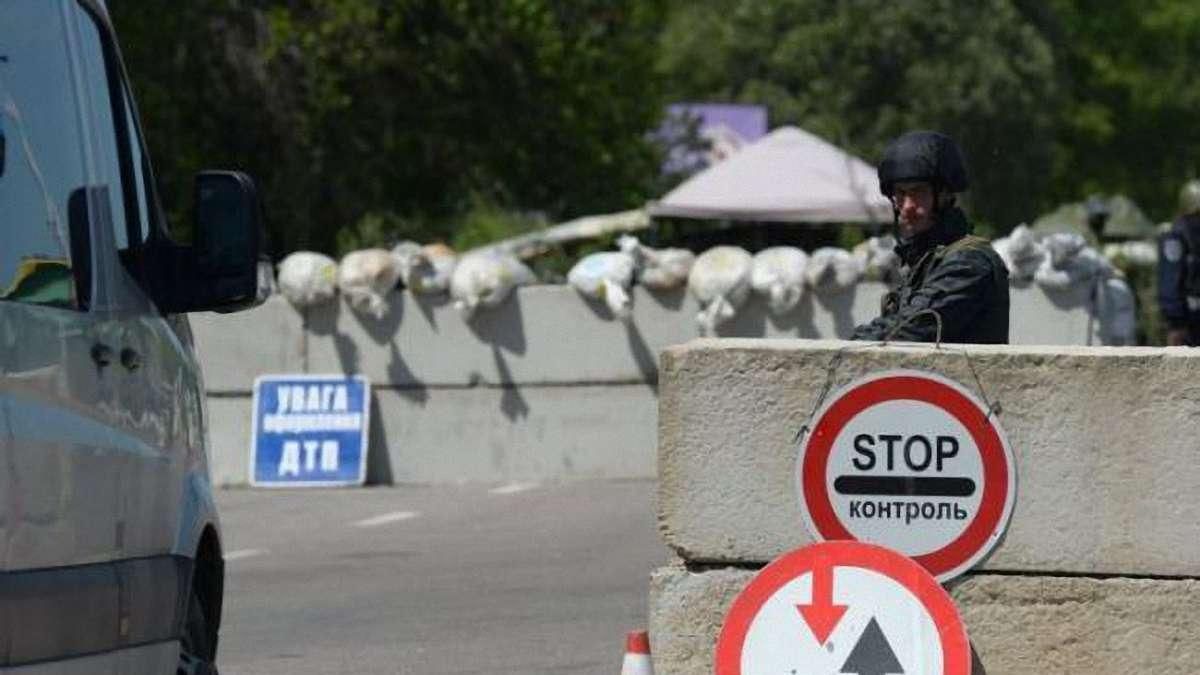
{"points": [[310, 430]]}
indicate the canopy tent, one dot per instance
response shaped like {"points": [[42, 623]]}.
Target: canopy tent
{"points": [[1125, 220], [788, 175]]}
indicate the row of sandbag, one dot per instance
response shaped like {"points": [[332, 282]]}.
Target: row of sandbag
{"points": [[721, 279], [1062, 261], [366, 277], [1054, 261]]}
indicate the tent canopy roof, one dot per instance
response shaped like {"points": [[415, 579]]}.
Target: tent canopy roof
{"points": [[788, 175]]}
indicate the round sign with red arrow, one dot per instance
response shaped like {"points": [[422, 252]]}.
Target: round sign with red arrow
{"points": [[843, 607], [912, 461]]}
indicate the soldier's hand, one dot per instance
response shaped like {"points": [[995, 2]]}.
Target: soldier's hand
{"points": [[1176, 337]]}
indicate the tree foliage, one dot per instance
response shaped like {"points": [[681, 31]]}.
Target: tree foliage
{"points": [[1129, 71], [859, 73], [366, 120]]}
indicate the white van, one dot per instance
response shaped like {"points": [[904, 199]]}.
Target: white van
{"points": [[110, 550]]}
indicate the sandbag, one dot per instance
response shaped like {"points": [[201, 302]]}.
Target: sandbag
{"points": [[1132, 253], [425, 269], [658, 269], [1069, 262], [720, 282], [778, 273], [832, 269], [307, 278], [877, 259], [1021, 252], [485, 279], [366, 277], [1116, 310], [607, 277]]}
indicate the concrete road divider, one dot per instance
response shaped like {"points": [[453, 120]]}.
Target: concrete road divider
{"points": [[545, 358], [1019, 624], [1104, 438]]}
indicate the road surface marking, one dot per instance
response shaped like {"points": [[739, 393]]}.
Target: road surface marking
{"points": [[244, 553], [513, 488], [386, 518]]}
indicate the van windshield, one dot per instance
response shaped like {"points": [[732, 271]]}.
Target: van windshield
{"points": [[43, 160]]}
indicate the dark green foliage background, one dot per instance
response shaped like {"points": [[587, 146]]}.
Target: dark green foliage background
{"points": [[371, 120]]}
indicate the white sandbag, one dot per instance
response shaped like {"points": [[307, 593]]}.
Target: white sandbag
{"points": [[1021, 252], [485, 279], [778, 273], [720, 281], [1116, 310], [426, 269], [308, 279], [1132, 253], [1069, 262], [607, 277], [659, 269], [877, 258], [366, 277], [832, 269]]}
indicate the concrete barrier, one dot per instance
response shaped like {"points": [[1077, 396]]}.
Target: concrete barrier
{"points": [[1019, 624], [1098, 571], [519, 373]]}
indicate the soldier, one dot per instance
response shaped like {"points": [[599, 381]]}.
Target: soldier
{"points": [[950, 276], [1179, 270]]}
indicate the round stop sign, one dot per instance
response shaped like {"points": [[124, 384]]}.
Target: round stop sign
{"points": [[912, 461]]}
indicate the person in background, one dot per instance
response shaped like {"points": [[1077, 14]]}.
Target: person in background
{"points": [[1179, 270], [952, 282]]}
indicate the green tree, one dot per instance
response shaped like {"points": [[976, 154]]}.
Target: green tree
{"points": [[423, 109], [1131, 96], [208, 100], [859, 72], [371, 119]]}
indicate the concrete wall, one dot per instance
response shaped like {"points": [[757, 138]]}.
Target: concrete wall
{"points": [[1099, 570], [548, 384]]}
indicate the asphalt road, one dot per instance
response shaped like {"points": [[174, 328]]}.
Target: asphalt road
{"points": [[464, 579]]}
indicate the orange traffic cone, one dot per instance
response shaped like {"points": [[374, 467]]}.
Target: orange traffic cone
{"points": [[637, 654]]}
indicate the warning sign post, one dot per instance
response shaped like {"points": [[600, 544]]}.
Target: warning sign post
{"points": [[912, 461], [843, 607]]}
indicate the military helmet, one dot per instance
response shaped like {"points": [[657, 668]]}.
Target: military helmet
{"points": [[926, 156], [1189, 198]]}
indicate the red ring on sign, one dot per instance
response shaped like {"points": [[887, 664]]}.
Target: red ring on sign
{"points": [[912, 388], [956, 653]]}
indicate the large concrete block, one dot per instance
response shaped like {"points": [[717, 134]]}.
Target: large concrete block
{"points": [[486, 434], [229, 422], [233, 349], [539, 335], [1019, 625], [514, 433], [552, 335], [1104, 440]]}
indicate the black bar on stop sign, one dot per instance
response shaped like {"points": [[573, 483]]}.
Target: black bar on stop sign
{"points": [[912, 486]]}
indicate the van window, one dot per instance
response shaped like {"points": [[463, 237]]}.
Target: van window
{"points": [[44, 161]]}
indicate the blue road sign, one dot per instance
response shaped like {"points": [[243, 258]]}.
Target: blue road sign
{"points": [[309, 430]]}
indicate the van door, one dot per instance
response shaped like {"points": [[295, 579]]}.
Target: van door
{"points": [[60, 467]]}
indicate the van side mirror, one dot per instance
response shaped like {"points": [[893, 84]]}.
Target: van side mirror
{"points": [[228, 244], [226, 268]]}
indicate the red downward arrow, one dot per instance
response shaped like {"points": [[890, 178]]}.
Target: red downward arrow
{"points": [[822, 616]]}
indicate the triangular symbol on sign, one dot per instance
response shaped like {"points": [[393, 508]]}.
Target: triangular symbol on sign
{"points": [[872, 655]]}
